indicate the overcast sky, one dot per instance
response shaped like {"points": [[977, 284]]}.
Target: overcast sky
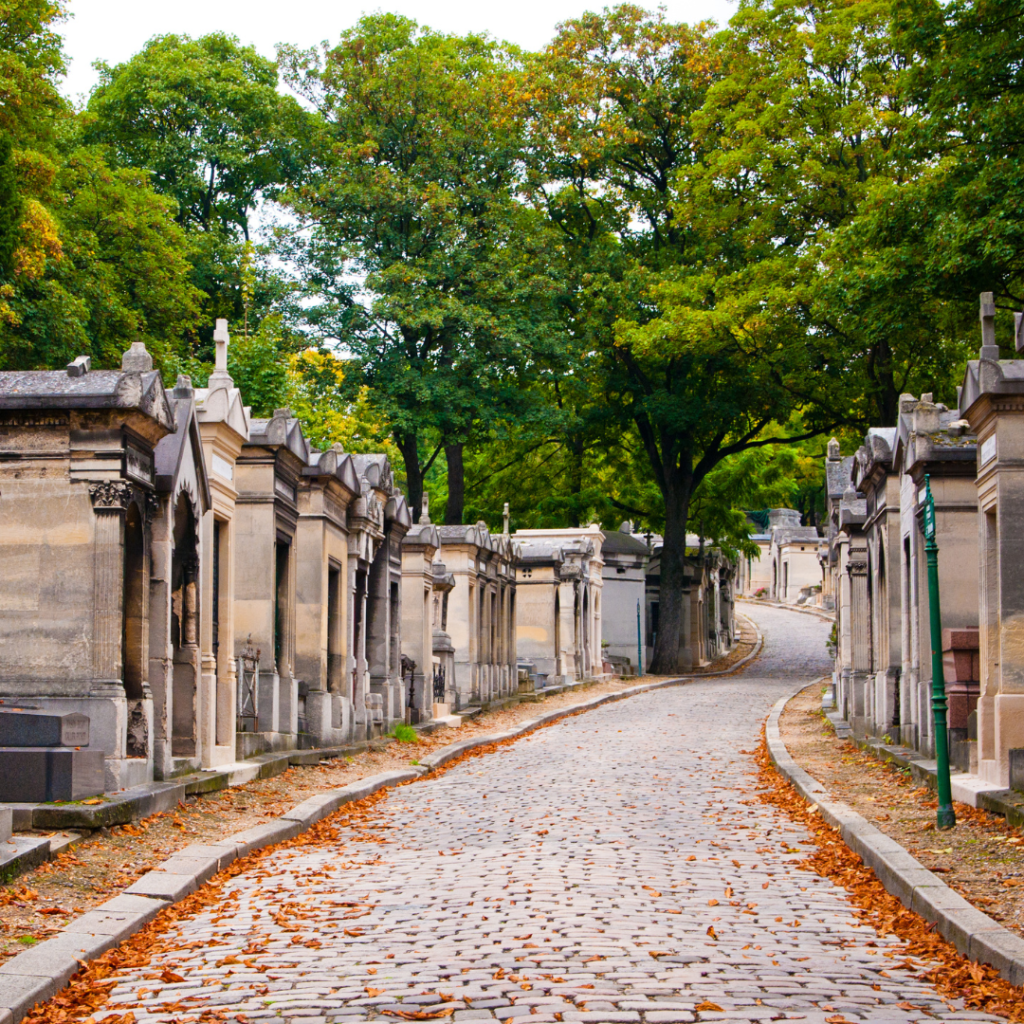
{"points": [[112, 30]]}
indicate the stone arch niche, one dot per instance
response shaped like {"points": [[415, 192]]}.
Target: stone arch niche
{"points": [[184, 626]]}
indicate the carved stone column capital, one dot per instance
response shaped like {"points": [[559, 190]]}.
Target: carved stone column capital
{"points": [[111, 494]]}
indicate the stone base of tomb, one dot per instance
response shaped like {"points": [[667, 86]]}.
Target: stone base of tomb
{"points": [[42, 774]]}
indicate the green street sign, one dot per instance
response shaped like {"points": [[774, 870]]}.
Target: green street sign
{"points": [[929, 511]]}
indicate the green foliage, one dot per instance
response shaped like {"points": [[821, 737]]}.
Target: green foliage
{"points": [[204, 117], [12, 208], [110, 271], [416, 157], [31, 65], [405, 733]]}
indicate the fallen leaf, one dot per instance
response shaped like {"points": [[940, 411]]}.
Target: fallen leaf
{"points": [[419, 1014], [712, 903], [168, 977], [706, 1006]]}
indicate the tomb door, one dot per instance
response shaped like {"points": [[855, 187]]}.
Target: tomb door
{"points": [[184, 629]]}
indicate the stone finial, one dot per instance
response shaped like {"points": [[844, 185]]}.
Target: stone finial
{"points": [[625, 526], [425, 509], [1018, 330], [504, 519], [282, 414], [989, 348], [220, 340], [183, 386], [928, 397], [833, 450], [338, 447], [79, 366], [137, 359]]}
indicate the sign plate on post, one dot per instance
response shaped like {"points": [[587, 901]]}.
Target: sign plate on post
{"points": [[929, 513]]}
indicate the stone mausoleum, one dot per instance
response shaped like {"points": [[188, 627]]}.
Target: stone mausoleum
{"points": [[79, 622]]}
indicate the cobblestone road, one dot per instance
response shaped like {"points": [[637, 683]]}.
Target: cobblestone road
{"points": [[613, 867]]}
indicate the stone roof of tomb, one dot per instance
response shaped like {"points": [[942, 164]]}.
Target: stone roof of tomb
{"points": [[618, 542], [336, 464], [282, 430], [94, 389]]}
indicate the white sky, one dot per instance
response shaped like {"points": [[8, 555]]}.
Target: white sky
{"points": [[112, 30]]}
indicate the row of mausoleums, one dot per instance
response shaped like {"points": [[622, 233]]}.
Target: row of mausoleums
{"points": [[973, 458], [204, 585]]}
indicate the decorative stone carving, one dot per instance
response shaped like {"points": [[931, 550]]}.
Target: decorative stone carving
{"points": [[138, 730], [111, 494], [151, 506]]}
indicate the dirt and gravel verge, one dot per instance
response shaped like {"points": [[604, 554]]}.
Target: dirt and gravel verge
{"points": [[982, 858]]}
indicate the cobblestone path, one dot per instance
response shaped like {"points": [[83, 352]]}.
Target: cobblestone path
{"points": [[613, 867]]}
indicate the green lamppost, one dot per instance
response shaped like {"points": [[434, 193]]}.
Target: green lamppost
{"points": [[639, 642], [945, 816]]}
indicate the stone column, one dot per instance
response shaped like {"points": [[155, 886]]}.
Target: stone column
{"points": [[109, 727]]}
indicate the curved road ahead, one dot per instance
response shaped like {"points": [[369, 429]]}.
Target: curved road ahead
{"points": [[572, 875]]}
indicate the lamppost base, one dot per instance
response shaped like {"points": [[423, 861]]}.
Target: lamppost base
{"points": [[945, 817]]}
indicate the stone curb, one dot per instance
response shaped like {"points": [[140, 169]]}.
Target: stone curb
{"points": [[41, 972], [974, 934]]}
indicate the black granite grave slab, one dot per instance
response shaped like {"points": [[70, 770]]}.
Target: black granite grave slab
{"points": [[38, 774], [28, 727]]}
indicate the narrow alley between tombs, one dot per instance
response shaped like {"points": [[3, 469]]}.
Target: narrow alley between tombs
{"points": [[616, 866]]}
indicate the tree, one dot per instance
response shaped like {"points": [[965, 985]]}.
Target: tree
{"points": [[31, 66], [410, 237], [90, 257], [204, 119], [931, 240], [694, 358], [111, 270]]}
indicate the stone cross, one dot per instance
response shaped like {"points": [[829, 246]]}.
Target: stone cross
{"points": [[989, 348], [221, 339], [504, 517]]}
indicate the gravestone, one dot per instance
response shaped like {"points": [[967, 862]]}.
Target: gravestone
{"points": [[41, 757], [31, 727]]}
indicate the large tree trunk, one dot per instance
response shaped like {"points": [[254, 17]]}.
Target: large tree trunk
{"points": [[409, 447], [672, 644], [455, 509]]}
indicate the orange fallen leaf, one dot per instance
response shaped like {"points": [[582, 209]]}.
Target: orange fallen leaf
{"points": [[712, 903], [373, 992], [168, 977], [707, 1006]]}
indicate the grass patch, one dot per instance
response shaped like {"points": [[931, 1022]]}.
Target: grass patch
{"points": [[404, 734], [27, 940]]}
